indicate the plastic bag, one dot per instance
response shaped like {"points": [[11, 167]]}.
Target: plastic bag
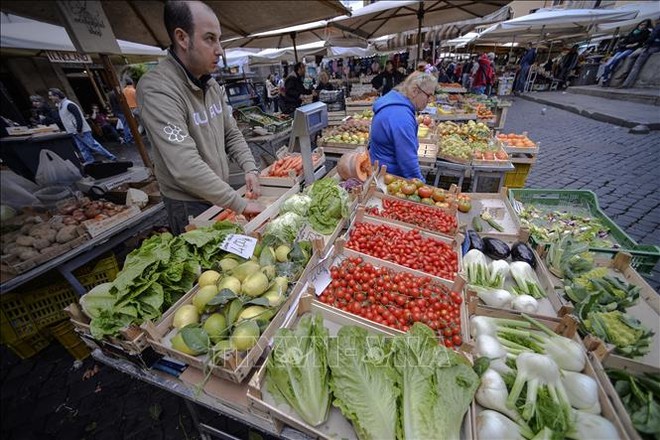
{"points": [[120, 126], [53, 170], [17, 191]]}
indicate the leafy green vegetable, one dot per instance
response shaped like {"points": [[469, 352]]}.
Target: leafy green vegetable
{"points": [[297, 203], [602, 292], [437, 385], [568, 258], [364, 382], [328, 206], [640, 395], [97, 299], [297, 369], [284, 228], [625, 332], [527, 283]]}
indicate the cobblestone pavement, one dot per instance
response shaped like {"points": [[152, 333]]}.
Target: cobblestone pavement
{"points": [[44, 398], [623, 169]]}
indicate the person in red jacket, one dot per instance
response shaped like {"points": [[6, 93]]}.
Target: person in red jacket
{"points": [[483, 76]]}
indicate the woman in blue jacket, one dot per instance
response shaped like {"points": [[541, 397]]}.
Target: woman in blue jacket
{"points": [[393, 141]]}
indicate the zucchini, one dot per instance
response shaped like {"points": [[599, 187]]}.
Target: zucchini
{"points": [[476, 224]]}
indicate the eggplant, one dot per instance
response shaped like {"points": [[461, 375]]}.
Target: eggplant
{"points": [[495, 249], [475, 241], [521, 252]]}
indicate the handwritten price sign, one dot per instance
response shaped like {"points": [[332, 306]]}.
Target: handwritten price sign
{"points": [[240, 245]]}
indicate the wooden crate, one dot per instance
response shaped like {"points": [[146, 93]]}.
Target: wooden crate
{"points": [[601, 360], [375, 198], [567, 327], [292, 178], [271, 196], [237, 365], [98, 227], [455, 242], [647, 310], [499, 206], [262, 403]]}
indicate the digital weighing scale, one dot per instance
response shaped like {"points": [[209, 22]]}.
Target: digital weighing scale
{"points": [[307, 121]]}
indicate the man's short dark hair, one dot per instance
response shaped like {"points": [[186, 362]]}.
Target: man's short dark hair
{"points": [[297, 66], [56, 92], [128, 81], [177, 15]]}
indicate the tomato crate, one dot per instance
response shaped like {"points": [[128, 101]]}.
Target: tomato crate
{"points": [[453, 243], [567, 327], [320, 281], [47, 304], [263, 404], [644, 257], [518, 177]]}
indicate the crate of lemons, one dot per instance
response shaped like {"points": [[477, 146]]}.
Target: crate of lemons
{"points": [[233, 306]]}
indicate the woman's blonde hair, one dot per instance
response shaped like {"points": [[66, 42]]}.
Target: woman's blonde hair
{"points": [[324, 77], [424, 81]]}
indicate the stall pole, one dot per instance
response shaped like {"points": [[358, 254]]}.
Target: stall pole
{"points": [[295, 49], [95, 87], [513, 41], [420, 18], [132, 124], [614, 37]]}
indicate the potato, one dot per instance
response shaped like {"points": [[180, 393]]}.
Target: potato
{"points": [[24, 240], [26, 228], [66, 234], [47, 234], [48, 249], [27, 254], [41, 243], [17, 250]]}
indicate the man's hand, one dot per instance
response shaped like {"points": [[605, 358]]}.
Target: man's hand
{"points": [[252, 183], [252, 209]]}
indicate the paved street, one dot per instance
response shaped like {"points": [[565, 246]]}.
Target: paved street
{"points": [[579, 153], [44, 398]]}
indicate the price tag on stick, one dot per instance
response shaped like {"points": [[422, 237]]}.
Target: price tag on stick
{"points": [[320, 279], [240, 245]]}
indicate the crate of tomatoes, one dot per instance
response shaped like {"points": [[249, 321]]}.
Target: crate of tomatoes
{"points": [[390, 296], [425, 216], [425, 252]]}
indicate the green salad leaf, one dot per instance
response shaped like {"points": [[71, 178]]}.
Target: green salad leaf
{"points": [[364, 382], [328, 206]]}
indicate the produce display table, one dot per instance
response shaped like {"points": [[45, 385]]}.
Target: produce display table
{"points": [[489, 172], [77, 257], [457, 170], [178, 387]]}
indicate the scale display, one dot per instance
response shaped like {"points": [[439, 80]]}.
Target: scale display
{"points": [[307, 120]]}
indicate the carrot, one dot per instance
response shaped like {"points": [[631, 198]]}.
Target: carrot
{"points": [[223, 215]]}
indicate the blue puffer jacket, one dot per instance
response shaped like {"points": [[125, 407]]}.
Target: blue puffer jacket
{"points": [[393, 140]]}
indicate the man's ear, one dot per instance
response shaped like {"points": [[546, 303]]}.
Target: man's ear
{"points": [[181, 39]]}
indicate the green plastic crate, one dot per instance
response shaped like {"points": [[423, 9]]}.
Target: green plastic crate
{"points": [[644, 257]]}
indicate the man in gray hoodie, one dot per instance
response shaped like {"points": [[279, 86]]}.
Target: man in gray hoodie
{"points": [[189, 123]]}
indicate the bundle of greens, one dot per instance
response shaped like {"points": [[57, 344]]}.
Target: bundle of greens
{"points": [[603, 291], [297, 369], [640, 395], [568, 258], [364, 382], [629, 336], [437, 385], [328, 206]]}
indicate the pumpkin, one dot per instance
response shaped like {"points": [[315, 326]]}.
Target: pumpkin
{"points": [[354, 165]]}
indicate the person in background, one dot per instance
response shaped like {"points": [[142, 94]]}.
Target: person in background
{"points": [[467, 73], [483, 75], [113, 100], [491, 82], [42, 113], [294, 88], [651, 46], [387, 79], [632, 42], [525, 63], [101, 120], [450, 71], [272, 93], [567, 64], [458, 73], [393, 140], [75, 124], [548, 66], [324, 84], [189, 123], [421, 66], [130, 94]]}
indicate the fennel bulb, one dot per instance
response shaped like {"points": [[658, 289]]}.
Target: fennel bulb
{"points": [[582, 391], [492, 425], [525, 303]]}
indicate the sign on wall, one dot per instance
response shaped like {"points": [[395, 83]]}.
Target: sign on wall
{"points": [[55, 56], [88, 26]]}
